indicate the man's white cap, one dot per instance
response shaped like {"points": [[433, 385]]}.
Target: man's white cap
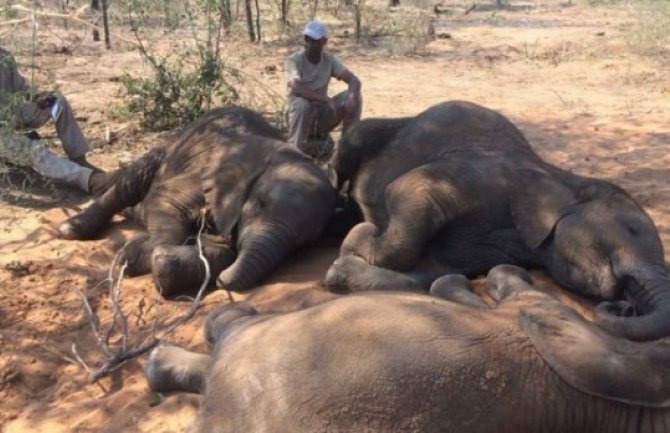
{"points": [[315, 30]]}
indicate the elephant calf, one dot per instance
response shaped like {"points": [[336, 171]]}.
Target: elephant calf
{"points": [[458, 189], [259, 198], [385, 362]]}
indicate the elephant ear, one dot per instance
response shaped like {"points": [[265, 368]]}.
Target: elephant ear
{"points": [[538, 201], [226, 190], [595, 362]]}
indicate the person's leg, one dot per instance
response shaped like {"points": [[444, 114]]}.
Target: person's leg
{"points": [[24, 151], [300, 121], [326, 119], [349, 116], [74, 143], [53, 105]]}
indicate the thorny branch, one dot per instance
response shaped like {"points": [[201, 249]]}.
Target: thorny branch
{"points": [[126, 350], [73, 17]]}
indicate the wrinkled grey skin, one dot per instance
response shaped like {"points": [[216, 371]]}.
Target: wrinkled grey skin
{"points": [[260, 199], [402, 362], [458, 189]]}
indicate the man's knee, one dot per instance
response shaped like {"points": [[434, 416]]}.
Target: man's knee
{"points": [[300, 106]]}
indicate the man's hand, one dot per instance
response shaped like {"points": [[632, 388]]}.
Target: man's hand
{"points": [[45, 100]]}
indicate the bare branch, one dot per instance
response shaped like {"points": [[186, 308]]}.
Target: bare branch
{"points": [[94, 323], [119, 317], [205, 282], [160, 330], [72, 17]]}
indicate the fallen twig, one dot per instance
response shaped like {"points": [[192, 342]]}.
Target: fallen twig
{"points": [[114, 358]]}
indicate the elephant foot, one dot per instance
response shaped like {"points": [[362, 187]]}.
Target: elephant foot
{"points": [[135, 255], [505, 280], [353, 274], [360, 241], [177, 269], [83, 226], [338, 276], [456, 288], [171, 368]]}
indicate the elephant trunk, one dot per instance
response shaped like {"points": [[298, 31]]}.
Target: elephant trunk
{"points": [[648, 289], [261, 249]]}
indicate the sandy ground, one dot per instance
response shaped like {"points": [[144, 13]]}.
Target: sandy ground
{"points": [[564, 74]]}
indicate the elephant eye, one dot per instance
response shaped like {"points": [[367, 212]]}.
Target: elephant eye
{"points": [[633, 230]]}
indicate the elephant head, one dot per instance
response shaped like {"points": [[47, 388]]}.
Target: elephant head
{"points": [[596, 240], [361, 142], [286, 206]]}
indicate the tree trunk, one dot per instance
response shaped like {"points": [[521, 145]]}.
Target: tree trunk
{"points": [[226, 15], [358, 6], [284, 11], [105, 23], [250, 20], [258, 22]]}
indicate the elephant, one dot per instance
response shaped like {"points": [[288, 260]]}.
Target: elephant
{"points": [[458, 189], [387, 362], [229, 177]]}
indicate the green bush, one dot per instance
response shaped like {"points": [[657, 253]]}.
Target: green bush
{"points": [[175, 95], [652, 32], [195, 75]]}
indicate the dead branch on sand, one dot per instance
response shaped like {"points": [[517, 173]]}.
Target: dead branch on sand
{"points": [[126, 349]]}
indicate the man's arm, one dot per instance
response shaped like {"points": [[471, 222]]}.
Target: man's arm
{"points": [[352, 81], [297, 88], [354, 85]]}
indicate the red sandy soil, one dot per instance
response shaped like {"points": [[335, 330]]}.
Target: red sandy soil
{"points": [[565, 74]]}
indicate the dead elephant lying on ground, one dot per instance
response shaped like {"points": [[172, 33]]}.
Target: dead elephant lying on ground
{"points": [[458, 190], [402, 362], [262, 200]]}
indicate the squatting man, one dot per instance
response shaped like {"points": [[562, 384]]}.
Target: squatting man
{"points": [[312, 113]]}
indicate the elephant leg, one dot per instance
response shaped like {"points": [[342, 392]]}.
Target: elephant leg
{"points": [[179, 268], [165, 226], [457, 288], [505, 283], [170, 213], [135, 254], [130, 186], [353, 274], [219, 321], [418, 203], [171, 368]]}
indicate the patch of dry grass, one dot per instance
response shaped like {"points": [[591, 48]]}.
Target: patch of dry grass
{"points": [[651, 35]]}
